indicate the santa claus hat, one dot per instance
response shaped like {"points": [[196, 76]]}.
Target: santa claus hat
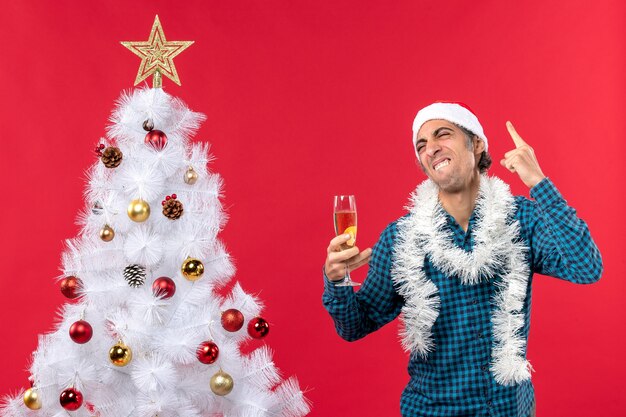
{"points": [[457, 113]]}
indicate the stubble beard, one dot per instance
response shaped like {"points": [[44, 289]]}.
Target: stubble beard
{"points": [[451, 184], [455, 181]]}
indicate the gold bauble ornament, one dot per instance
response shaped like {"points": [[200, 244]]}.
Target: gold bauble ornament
{"points": [[107, 233], [191, 176], [138, 210], [31, 399], [192, 269], [120, 354], [222, 383]]}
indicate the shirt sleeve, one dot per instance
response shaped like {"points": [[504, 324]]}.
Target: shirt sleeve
{"points": [[560, 243], [356, 314]]}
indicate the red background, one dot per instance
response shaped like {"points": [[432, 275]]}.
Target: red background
{"points": [[310, 99]]}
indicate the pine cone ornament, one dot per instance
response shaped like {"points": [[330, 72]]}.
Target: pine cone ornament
{"points": [[172, 208], [135, 275], [111, 157]]}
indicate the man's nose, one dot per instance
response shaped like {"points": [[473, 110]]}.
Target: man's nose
{"points": [[432, 148]]}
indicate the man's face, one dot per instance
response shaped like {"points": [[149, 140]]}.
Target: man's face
{"points": [[445, 157]]}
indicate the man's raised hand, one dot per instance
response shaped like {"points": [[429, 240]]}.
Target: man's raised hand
{"points": [[522, 160]]}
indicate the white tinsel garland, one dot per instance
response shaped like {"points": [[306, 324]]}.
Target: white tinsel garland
{"points": [[497, 248]]}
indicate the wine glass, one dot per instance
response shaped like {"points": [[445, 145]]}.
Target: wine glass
{"points": [[344, 211]]}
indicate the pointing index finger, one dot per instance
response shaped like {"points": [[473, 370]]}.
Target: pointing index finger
{"points": [[517, 139]]}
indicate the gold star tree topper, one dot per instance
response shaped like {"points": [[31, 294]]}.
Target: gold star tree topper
{"points": [[157, 55]]}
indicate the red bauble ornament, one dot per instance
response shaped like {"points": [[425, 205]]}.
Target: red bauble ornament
{"points": [[207, 352], [232, 320], [70, 287], [71, 399], [81, 332], [258, 327], [163, 287], [156, 139]]}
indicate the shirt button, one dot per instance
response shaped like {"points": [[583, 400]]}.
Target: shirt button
{"points": [[489, 403], [475, 301], [484, 368]]}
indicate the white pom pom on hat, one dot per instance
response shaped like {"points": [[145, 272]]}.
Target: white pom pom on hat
{"points": [[454, 112]]}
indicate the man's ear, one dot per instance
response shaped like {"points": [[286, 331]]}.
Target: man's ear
{"points": [[479, 145]]}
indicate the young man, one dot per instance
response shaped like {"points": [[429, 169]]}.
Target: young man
{"points": [[459, 268]]}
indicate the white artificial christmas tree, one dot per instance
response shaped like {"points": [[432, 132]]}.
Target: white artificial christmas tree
{"points": [[147, 334]]}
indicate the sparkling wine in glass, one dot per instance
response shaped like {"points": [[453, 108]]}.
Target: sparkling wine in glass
{"points": [[344, 211]]}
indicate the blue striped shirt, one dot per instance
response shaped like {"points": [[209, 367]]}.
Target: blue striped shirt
{"points": [[455, 379]]}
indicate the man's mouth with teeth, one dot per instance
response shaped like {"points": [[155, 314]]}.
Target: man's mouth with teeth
{"points": [[441, 164]]}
